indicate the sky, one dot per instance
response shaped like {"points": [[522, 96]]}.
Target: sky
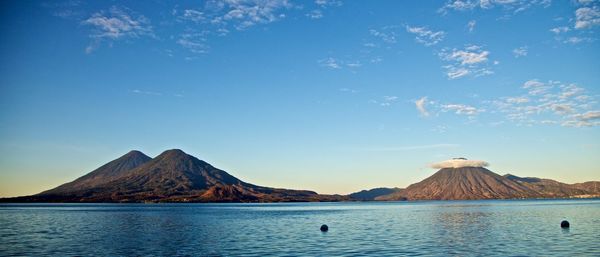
{"points": [[328, 95]]}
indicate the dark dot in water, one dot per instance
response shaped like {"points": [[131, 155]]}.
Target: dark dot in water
{"points": [[564, 224], [324, 228]]}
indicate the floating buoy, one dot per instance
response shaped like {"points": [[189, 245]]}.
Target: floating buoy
{"points": [[564, 224], [324, 228]]}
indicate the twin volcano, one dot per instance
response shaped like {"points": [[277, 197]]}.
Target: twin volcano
{"points": [[172, 176]]}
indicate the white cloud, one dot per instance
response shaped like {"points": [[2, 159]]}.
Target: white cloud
{"points": [[330, 62], [586, 17], [325, 3], [315, 14], [421, 106], [192, 15], [590, 115], [471, 25], [576, 40], [385, 36], [569, 91], [115, 24], [386, 100], [562, 108], [459, 163], [390, 98], [454, 72], [247, 13], [194, 42], [426, 36], [514, 6], [517, 100], [551, 102], [468, 56], [559, 30], [335, 63], [467, 61], [461, 109], [535, 87], [321, 5], [519, 52], [354, 64], [143, 92]]}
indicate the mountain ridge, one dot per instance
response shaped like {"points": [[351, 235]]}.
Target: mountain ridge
{"points": [[172, 176], [476, 183], [175, 176]]}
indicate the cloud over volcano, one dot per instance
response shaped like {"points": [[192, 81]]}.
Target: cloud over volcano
{"points": [[459, 163]]}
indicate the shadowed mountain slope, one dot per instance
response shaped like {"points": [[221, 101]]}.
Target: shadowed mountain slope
{"points": [[105, 174], [172, 176], [371, 194], [552, 188]]}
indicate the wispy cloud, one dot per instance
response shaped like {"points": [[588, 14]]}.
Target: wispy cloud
{"points": [[385, 101], [194, 42], [514, 6], [330, 62], [192, 15], [329, 3], [320, 6], [154, 93], [468, 61], [220, 18], [551, 102], [315, 14], [471, 25], [421, 105], [425, 36], [587, 17], [336, 64], [559, 30], [520, 51], [242, 14], [386, 34], [143, 92], [461, 109], [114, 24]]}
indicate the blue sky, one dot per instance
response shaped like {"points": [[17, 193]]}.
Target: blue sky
{"points": [[332, 96]]}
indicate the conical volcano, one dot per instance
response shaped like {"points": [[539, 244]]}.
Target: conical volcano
{"points": [[103, 175], [463, 183]]}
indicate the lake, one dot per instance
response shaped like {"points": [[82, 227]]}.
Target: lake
{"points": [[428, 228]]}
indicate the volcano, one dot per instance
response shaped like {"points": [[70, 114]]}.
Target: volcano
{"points": [[172, 176], [464, 183]]}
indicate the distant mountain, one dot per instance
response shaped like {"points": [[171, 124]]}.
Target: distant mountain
{"points": [[172, 176], [464, 183], [554, 189], [592, 187], [370, 195]]}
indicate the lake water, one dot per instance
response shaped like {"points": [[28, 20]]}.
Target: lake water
{"points": [[429, 228]]}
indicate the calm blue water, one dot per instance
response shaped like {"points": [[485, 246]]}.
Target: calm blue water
{"points": [[462, 228]]}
